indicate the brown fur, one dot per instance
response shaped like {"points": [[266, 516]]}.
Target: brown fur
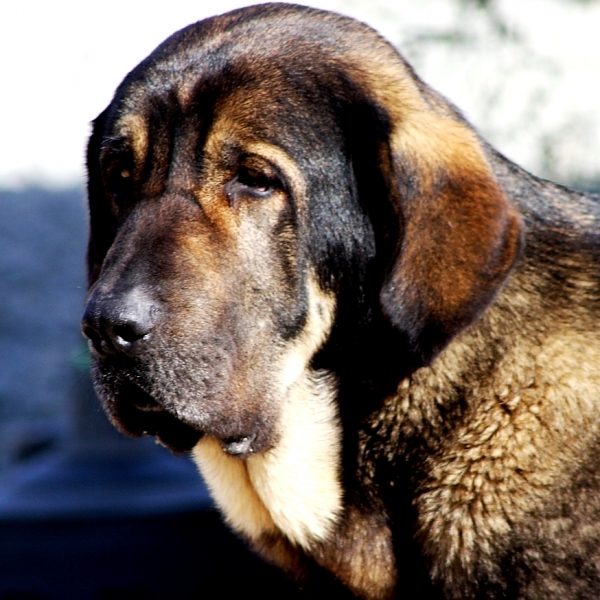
{"points": [[379, 337]]}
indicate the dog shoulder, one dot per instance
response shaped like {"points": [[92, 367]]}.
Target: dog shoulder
{"points": [[510, 425]]}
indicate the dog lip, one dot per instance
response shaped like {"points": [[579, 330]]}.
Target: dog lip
{"points": [[139, 398], [135, 412], [138, 412], [238, 445]]}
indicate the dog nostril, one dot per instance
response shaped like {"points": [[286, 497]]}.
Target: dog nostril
{"points": [[130, 332], [127, 334]]}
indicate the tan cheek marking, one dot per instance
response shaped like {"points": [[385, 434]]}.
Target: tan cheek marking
{"points": [[204, 253], [321, 314]]}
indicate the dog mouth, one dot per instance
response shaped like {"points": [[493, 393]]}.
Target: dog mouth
{"points": [[137, 413]]}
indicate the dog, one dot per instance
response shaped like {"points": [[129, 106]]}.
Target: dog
{"points": [[378, 337]]}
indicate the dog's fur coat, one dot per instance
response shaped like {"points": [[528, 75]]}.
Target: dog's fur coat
{"points": [[378, 335]]}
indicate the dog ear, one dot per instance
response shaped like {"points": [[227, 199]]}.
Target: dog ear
{"points": [[459, 235]]}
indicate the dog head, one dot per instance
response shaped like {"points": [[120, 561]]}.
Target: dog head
{"points": [[266, 186]]}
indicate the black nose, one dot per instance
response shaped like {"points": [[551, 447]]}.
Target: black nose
{"points": [[120, 322]]}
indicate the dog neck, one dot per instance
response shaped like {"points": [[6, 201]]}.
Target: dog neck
{"points": [[293, 488]]}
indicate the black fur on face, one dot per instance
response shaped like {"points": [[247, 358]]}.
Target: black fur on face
{"points": [[303, 257], [228, 182], [206, 244]]}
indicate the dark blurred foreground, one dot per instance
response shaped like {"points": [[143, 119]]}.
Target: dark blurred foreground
{"points": [[165, 557]]}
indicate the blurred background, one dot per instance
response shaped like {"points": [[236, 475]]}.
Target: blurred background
{"points": [[85, 512]]}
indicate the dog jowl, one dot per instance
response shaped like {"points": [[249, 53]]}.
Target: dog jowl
{"points": [[377, 336]]}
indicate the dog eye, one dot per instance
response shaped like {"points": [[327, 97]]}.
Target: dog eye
{"points": [[118, 184], [257, 182]]}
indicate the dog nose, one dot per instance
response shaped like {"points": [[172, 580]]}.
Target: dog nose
{"points": [[120, 322]]}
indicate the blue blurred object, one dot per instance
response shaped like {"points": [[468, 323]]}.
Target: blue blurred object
{"points": [[99, 472], [85, 512]]}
